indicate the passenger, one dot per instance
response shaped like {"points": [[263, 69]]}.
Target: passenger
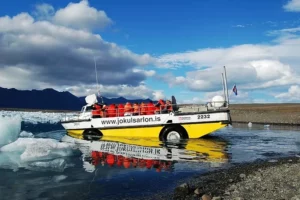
{"points": [[126, 163], [159, 106], [121, 110], [111, 110], [103, 111], [143, 109], [110, 160], [149, 164], [150, 108], [136, 109], [168, 107], [127, 109], [96, 111]]}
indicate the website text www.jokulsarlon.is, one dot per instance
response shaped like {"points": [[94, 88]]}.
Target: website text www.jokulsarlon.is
{"points": [[130, 120]]}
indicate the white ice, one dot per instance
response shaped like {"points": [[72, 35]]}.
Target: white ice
{"points": [[26, 134], [28, 152], [10, 128], [37, 117]]}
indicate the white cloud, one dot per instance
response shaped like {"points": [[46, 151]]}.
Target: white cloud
{"points": [[81, 15], [293, 94], [43, 53], [56, 55], [292, 6], [158, 94], [249, 66], [147, 73], [239, 26], [127, 91]]}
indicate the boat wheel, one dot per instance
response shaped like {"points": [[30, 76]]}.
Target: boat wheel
{"points": [[173, 133], [92, 134]]}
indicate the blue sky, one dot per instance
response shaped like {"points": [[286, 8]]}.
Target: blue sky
{"points": [[154, 48]]}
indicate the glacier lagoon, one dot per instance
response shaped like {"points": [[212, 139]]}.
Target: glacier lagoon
{"points": [[37, 160]]}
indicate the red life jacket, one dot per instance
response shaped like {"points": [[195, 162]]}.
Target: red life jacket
{"points": [[136, 109], [112, 111], [121, 109], [128, 107], [150, 108], [143, 109]]}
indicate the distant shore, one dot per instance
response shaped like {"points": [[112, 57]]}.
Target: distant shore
{"points": [[272, 114]]}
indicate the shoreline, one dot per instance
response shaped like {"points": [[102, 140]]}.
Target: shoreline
{"points": [[262, 114], [267, 179], [261, 179]]}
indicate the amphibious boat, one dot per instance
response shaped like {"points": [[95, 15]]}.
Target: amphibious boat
{"points": [[182, 122]]}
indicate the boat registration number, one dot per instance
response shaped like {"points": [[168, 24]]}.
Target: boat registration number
{"points": [[204, 116]]}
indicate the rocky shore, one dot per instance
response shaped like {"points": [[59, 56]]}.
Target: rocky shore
{"points": [[261, 180]]}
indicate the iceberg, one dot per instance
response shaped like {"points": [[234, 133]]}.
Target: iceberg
{"points": [[23, 150], [10, 128]]}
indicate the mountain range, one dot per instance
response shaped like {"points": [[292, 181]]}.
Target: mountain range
{"points": [[49, 99]]}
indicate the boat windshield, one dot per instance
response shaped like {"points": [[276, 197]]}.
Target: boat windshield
{"points": [[86, 108]]}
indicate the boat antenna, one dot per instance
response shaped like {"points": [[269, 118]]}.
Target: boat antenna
{"points": [[98, 87], [226, 88]]}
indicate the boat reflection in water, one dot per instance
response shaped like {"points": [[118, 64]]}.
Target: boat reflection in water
{"points": [[150, 153]]}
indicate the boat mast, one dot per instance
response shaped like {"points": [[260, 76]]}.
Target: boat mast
{"points": [[223, 84], [226, 88], [98, 87]]}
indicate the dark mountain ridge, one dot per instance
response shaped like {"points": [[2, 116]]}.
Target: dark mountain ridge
{"points": [[49, 99]]}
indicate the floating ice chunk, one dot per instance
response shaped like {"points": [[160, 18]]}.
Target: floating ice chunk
{"points": [[46, 149], [58, 164], [39, 148], [250, 124], [59, 178], [10, 128], [267, 126], [26, 134], [36, 154]]}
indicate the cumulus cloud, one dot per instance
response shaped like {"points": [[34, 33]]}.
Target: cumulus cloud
{"points": [[38, 52], [81, 15], [250, 66], [292, 6], [130, 92], [293, 94]]}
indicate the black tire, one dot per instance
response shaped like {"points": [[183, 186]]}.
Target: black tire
{"points": [[92, 134], [176, 131]]}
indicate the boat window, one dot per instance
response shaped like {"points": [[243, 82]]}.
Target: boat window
{"points": [[88, 108]]}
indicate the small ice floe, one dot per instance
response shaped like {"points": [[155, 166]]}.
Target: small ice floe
{"points": [[250, 124], [26, 134], [267, 126], [273, 161]]}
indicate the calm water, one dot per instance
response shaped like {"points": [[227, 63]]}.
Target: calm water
{"points": [[115, 168]]}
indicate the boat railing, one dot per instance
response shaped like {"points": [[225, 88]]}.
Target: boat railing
{"points": [[145, 110]]}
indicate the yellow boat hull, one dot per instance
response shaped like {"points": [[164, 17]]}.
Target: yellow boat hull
{"points": [[193, 131]]}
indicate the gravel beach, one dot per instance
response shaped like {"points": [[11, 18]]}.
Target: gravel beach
{"points": [[273, 179]]}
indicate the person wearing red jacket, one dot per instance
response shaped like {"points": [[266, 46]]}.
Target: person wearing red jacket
{"points": [[150, 108], [121, 110]]}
